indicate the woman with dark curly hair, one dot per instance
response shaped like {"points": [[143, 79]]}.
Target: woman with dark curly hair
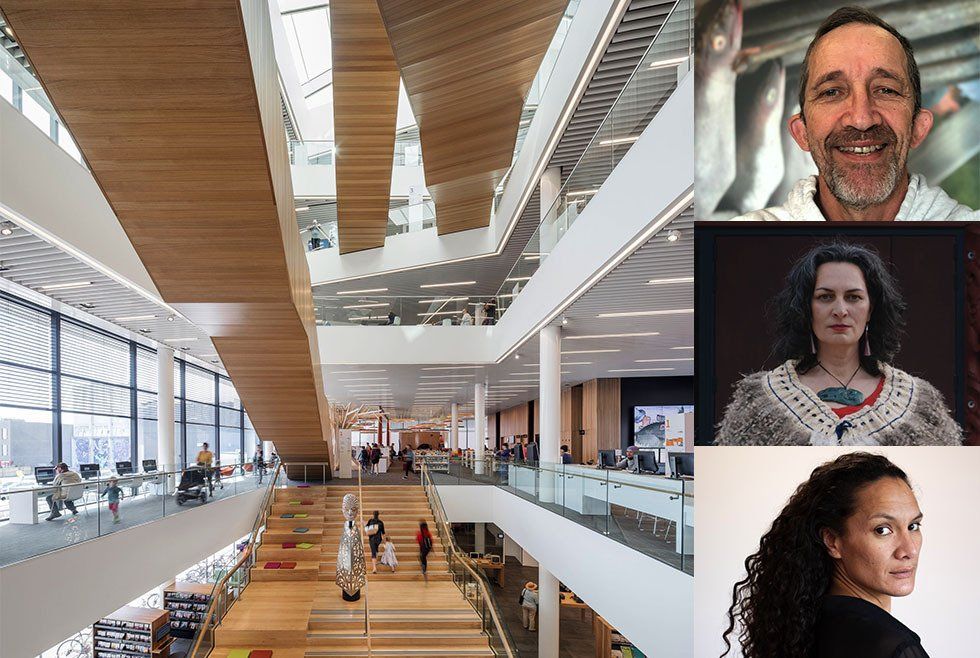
{"points": [[839, 323], [822, 581]]}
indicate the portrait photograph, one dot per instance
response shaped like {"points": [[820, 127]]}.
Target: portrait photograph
{"points": [[836, 334], [836, 552], [813, 111]]}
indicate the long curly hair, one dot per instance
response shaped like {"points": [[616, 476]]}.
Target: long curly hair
{"points": [[777, 604], [794, 316]]}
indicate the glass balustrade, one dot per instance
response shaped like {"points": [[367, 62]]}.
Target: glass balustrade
{"points": [[649, 513], [432, 310], [655, 78], [101, 504], [22, 90]]}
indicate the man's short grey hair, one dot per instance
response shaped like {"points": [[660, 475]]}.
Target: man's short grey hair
{"points": [[845, 16]]}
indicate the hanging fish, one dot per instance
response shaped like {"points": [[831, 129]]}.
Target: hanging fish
{"points": [[718, 38], [759, 153], [797, 163]]}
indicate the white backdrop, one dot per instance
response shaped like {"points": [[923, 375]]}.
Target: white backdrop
{"points": [[741, 490]]}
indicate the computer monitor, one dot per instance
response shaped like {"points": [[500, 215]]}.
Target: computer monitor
{"points": [[124, 468], [44, 474], [682, 464], [88, 471], [648, 462], [149, 466], [607, 459]]}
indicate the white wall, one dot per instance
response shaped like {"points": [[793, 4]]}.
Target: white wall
{"points": [[318, 181], [357, 345], [41, 184], [742, 490], [48, 598], [651, 603]]}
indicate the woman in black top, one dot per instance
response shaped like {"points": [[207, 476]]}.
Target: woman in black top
{"points": [[822, 581], [374, 540]]}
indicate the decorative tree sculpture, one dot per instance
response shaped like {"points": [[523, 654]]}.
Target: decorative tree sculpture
{"points": [[350, 555]]}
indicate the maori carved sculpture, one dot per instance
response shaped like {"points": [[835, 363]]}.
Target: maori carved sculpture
{"points": [[350, 555]]}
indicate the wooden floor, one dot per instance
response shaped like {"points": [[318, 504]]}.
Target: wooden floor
{"points": [[299, 613]]}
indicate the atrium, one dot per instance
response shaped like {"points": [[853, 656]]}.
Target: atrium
{"points": [[434, 259]]}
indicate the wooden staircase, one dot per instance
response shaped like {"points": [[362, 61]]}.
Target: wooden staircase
{"points": [[299, 613]]}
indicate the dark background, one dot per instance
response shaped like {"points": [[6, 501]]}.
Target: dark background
{"points": [[739, 270]]}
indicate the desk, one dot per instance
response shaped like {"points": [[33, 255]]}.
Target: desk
{"points": [[487, 565], [569, 602], [25, 505]]}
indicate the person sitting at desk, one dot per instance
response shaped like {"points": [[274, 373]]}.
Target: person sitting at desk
{"points": [[630, 462], [61, 495], [566, 457]]}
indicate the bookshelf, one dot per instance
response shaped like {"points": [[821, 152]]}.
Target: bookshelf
{"points": [[131, 631], [187, 604]]}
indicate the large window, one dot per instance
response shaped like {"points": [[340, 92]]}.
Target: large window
{"points": [[72, 392]]}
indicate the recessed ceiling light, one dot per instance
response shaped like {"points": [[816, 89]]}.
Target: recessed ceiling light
{"points": [[441, 376], [619, 140], [302, 208], [662, 282], [65, 286], [361, 379], [512, 381], [637, 369], [178, 340], [589, 351], [170, 318], [582, 192], [515, 279], [134, 318], [446, 285], [370, 317], [685, 347], [353, 372], [443, 300], [673, 235], [674, 61], [631, 314], [6, 230], [686, 358], [359, 292], [375, 305], [439, 313], [576, 363], [452, 367], [635, 334]]}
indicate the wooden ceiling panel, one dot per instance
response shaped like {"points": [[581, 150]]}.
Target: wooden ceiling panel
{"points": [[182, 130], [467, 67], [365, 106]]}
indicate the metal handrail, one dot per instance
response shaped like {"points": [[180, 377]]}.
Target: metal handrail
{"points": [[450, 546], [260, 520]]}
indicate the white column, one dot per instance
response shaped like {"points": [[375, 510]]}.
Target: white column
{"points": [[454, 430], [548, 186], [550, 408], [480, 538], [480, 417], [166, 452], [548, 614]]}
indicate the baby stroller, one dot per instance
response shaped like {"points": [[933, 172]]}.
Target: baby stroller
{"points": [[193, 484]]}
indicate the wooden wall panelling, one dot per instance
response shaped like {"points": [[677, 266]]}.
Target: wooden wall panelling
{"points": [[467, 67], [492, 430], [513, 422], [176, 110], [536, 429], [571, 421], [365, 106], [600, 417]]}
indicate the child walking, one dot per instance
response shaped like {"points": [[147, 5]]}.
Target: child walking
{"points": [[388, 557], [114, 494]]}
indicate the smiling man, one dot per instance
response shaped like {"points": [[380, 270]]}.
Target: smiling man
{"points": [[860, 115]]}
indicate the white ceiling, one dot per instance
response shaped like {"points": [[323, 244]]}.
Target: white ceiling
{"points": [[422, 392]]}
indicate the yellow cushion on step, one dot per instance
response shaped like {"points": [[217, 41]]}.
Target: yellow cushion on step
{"points": [[239, 653], [300, 516]]}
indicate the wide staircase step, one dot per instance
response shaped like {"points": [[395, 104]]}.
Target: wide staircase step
{"points": [[302, 571]]}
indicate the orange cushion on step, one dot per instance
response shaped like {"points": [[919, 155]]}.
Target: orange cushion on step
{"points": [[288, 565], [272, 565], [289, 544], [307, 502]]}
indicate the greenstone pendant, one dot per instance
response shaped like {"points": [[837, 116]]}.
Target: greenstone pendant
{"points": [[846, 396]]}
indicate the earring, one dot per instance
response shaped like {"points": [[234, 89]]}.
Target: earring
{"points": [[867, 341], [813, 347]]}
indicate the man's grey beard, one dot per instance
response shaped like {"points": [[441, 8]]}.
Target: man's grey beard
{"points": [[858, 197]]}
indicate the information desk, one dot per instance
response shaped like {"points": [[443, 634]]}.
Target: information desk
{"points": [[25, 506], [590, 491]]}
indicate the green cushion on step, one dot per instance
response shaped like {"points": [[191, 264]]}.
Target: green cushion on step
{"points": [[287, 516], [239, 653], [301, 529], [304, 545], [294, 502]]}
